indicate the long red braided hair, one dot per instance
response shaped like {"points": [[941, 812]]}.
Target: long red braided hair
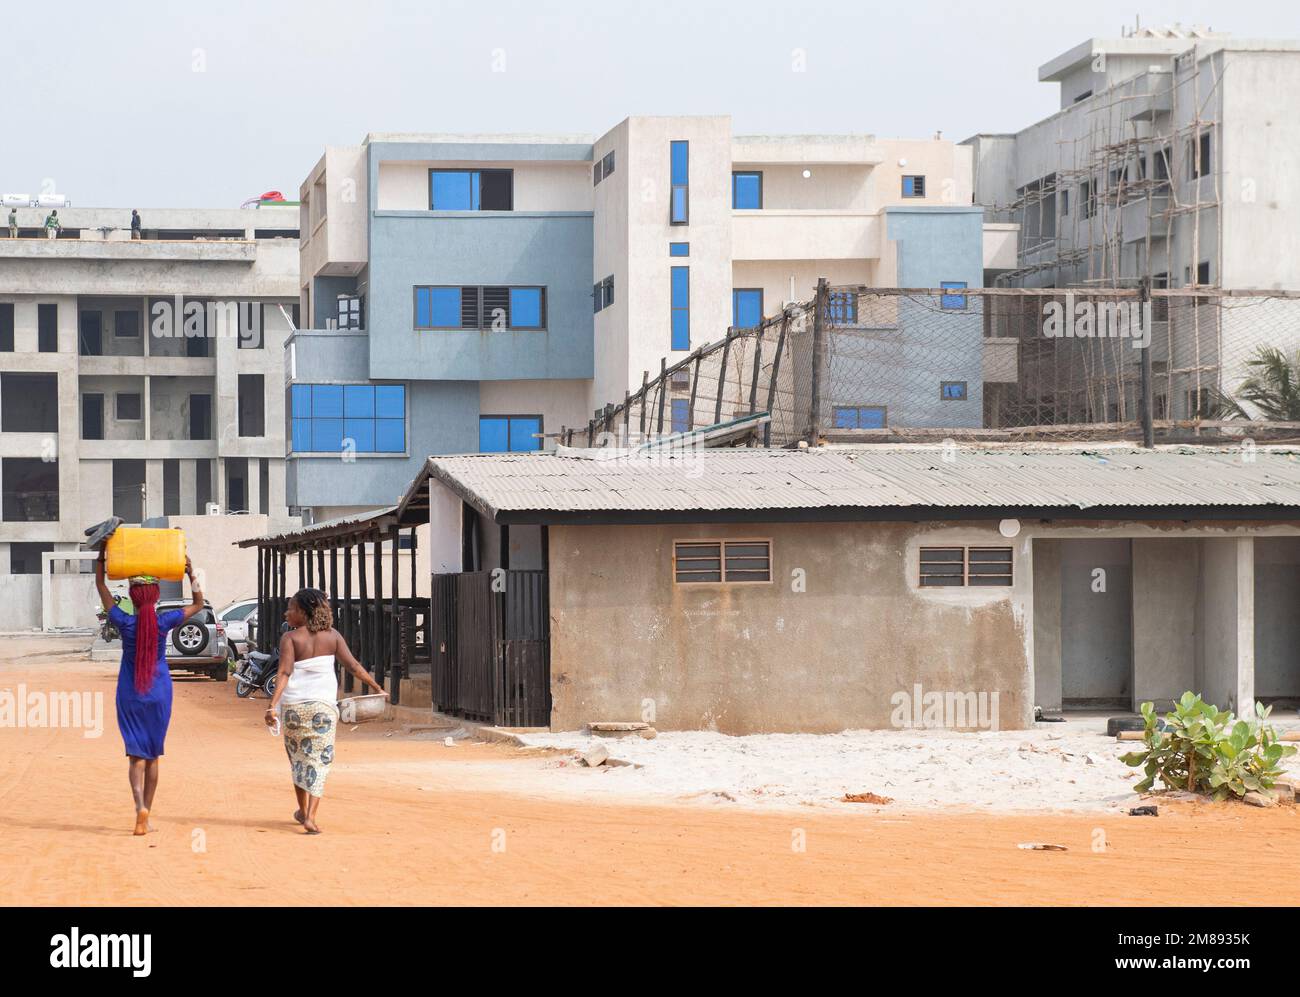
{"points": [[145, 598]]}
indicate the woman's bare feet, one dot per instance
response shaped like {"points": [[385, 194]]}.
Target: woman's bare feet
{"points": [[297, 815], [142, 822], [309, 826]]}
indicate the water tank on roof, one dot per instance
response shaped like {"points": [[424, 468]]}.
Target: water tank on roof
{"points": [[52, 200], [16, 200]]}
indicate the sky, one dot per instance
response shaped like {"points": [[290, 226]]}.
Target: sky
{"points": [[183, 104]]}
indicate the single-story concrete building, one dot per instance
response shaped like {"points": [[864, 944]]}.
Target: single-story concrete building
{"points": [[755, 590]]}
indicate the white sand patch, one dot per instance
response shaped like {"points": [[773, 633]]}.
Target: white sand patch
{"points": [[1055, 766]]}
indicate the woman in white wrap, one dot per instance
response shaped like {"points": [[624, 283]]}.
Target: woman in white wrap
{"points": [[306, 694]]}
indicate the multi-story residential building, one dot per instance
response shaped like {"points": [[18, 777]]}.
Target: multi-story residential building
{"points": [[139, 377], [477, 293], [1171, 158]]}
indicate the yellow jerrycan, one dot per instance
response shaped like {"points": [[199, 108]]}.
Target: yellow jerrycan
{"points": [[133, 550]]}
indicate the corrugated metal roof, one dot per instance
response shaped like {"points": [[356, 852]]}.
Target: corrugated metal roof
{"points": [[875, 477], [317, 529]]}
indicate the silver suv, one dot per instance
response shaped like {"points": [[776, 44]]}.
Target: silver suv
{"points": [[198, 645]]}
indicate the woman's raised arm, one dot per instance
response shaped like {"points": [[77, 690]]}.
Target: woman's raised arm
{"points": [[197, 601], [101, 586]]}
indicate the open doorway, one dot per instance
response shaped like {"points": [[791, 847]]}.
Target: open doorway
{"points": [[1083, 633]]}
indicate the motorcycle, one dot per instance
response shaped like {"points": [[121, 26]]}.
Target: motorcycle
{"points": [[258, 670], [107, 628]]}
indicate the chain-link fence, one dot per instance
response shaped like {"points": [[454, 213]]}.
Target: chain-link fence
{"points": [[898, 365]]}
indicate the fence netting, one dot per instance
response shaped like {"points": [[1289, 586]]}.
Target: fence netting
{"points": [[903, 365]]}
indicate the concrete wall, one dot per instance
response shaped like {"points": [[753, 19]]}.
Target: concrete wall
{"points": [[764, 658], [1277, 623], [551, 249], [1096, 621], [1165, 622]]}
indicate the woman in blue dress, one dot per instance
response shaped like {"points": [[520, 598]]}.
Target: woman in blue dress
{"points": [[144, 685]]}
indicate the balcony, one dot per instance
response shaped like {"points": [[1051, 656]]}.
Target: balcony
{"points": [[789, 234]]}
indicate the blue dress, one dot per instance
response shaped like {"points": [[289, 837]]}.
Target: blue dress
{"points": [[143, 718]]}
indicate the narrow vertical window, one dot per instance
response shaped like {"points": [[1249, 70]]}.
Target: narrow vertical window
{"points": [[681, 308], [680, 195]]}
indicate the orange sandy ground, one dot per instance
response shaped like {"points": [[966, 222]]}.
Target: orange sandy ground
{"points": [[411, 821]]}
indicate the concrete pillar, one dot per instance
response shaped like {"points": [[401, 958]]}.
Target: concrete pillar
{"points": [[146, 405], [188, 489], [1226, 631], [276, 507], [253, 484], [1046, 567], [153, 488], [219, 486]]}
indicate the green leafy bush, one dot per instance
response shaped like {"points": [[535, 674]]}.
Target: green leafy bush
{"points": [[1203, 749]]}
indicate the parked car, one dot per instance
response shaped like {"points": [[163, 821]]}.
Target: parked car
{"points": [[236, 618], [200, 644]]}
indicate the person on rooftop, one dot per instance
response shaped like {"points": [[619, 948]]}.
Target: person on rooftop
{"points": [[52, 225], [13, 223], [135, 223]]}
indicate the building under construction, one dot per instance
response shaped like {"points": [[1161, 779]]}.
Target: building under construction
{"points": [[1171, 159]]}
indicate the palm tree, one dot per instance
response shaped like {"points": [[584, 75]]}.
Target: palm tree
{"points": [[1272, 388]]}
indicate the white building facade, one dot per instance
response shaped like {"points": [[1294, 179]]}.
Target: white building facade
{"points": [[139, 377]]}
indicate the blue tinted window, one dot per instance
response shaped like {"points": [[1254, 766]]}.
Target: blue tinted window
{"points": [[681, 163], [681, 308], [362, 434], [390, 401], [914, 186], [859, 417], [679, 249], [954, 301], [437, 307], [327, 401], [509, 433], [327, 435], [390, 435], [493, 434], [953, 391], [746, 307], [522, 432], [746, 190], [363, 417], [358, 401], [681, 415], [454, 190], [526, 307], [679, 206], [300, 401]]}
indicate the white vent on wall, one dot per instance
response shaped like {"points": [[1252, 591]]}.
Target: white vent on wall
{"points": [[214, 509]]}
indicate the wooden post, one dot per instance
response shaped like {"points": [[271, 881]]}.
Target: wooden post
{"points": [[415, 588], [776, 370], [320, 567], [818, 359], [381, 666], [363, 650], [695, 384], [278, 613], [645, 383], [663, 393], [722, 375], [1146, 403], [758, 365], [394, 631]]}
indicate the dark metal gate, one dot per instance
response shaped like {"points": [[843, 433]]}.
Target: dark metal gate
{"points": [[491, 647]]}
